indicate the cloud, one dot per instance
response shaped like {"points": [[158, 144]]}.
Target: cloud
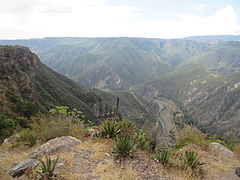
{"points": [[222, 22], [96, 18], [200, 7], [57, 10]]}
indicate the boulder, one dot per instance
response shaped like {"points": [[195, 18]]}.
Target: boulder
{"points": [[11, 140], [54, 146], [237, 171], [22, 167], [92, 132], [221, 150]]}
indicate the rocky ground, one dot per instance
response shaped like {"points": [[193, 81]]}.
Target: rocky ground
{"points": [[92, 159]]}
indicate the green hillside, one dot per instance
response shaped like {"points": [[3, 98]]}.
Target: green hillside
{"points": [[211, 100], [223, 59], [113, 63], [28, 87]]}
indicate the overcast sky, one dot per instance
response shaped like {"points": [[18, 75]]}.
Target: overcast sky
{"points": [[111, 18]]}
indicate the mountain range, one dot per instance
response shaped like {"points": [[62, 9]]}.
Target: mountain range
{"points": [[28, 87], [200, 76]]}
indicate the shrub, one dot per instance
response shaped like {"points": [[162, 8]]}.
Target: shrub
{"points": [[191, 160], [73, 116], [22, 106], [109, 129], [48, 128], [163, 157], [127, 128], [190, 135], [22, 122], [27, 137], [46, 170], [124, 146], [32, 141], [141, 139], [7, 126]]}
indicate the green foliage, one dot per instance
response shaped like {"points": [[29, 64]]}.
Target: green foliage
{"points": [[22, 122], [7, 126], [124, 146], [74, 115], [22, 106], [127, 128], [47, 128], [46, 170], [190, 135], [32, 141], [27, 137], [191, 160], [163, 157], [229, 142], [109, 129], [141, 139]]}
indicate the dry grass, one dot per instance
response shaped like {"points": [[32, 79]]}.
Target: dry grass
{"points": [[100, 149], [109, 171], [237, 150], [13, 156], [191, 135], [216, 165]]}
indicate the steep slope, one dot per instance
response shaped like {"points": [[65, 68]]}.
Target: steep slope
{"points": [[23, 75], [113, 63], [224, 58], [210, 99], [23, 78]]}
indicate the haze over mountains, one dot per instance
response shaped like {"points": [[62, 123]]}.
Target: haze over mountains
{"points": [[28, 85], [212, 37], [201, 76]]}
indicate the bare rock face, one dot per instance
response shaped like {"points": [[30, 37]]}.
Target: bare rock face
{"points": [[221, 150], [22, 167], [54, 146]]}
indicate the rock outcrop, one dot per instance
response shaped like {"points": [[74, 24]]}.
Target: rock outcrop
{"points": [[54, 146], [221, 150], [22, 167]]}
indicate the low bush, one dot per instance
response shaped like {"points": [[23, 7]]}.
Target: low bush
{"points": [[190, 135], [27, 137], [141, 139], [109, 129], [124, 146], [163, 157], [191, 161], [127, 128], [7, 126]]}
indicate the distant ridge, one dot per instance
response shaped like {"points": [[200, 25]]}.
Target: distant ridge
{"points": [[215, 37]]}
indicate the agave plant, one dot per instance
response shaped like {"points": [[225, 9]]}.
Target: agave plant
{"points": [[109, 129], [32, 141], [124, 146], [191, 160], [163, 157], [47, 168]]}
